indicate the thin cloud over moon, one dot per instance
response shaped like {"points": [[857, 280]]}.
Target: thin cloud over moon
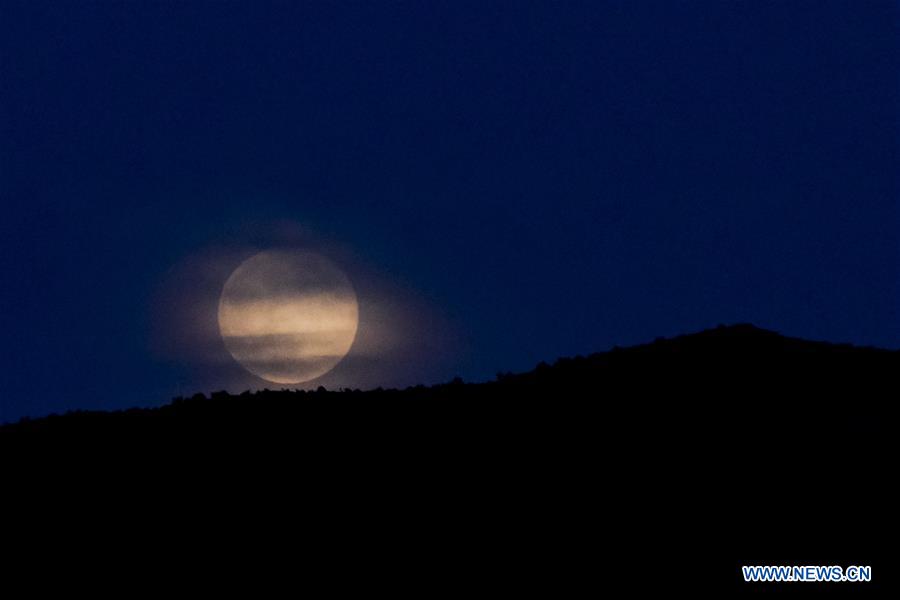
{"points": [[288, 316], [402, 337]]}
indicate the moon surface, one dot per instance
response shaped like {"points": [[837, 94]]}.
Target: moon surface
{"points": [[288, 316]]}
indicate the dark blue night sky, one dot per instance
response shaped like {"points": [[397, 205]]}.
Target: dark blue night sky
{"points": [[540, 179]]}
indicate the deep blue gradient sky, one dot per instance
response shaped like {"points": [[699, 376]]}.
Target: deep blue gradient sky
{"points": [[551, 179]]}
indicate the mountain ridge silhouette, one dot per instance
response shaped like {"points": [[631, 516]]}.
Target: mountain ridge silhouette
{"points": [[740, 341], [666, 465]]}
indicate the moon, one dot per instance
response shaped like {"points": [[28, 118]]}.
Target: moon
{"points": [[288, 316]]}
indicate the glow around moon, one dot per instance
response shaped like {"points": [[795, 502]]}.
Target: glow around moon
{"points": [[288, 316]]}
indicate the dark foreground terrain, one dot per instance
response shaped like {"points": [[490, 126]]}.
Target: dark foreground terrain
{"points": [[655, 469]]}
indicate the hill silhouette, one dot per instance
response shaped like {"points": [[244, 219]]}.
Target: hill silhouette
{"points": [[669, 464]]}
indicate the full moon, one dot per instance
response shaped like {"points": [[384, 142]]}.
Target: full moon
{"points": [[288, 316]]}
